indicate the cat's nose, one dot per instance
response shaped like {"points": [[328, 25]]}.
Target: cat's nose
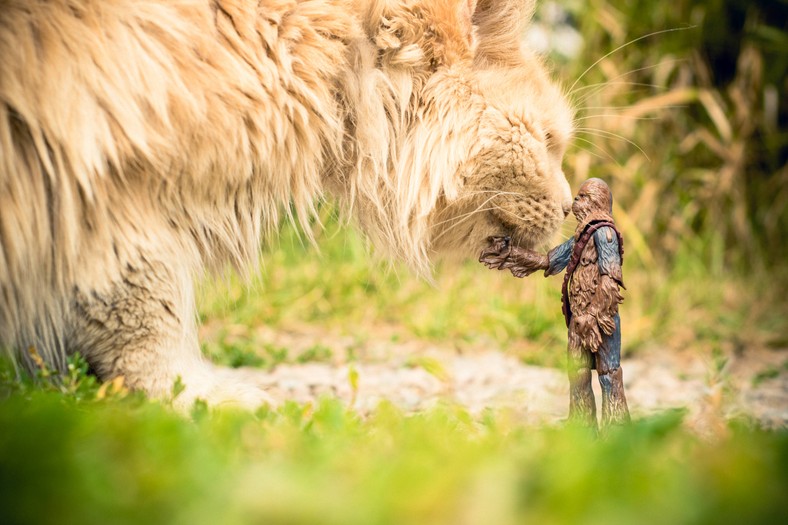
{"points": [[565, 193]]}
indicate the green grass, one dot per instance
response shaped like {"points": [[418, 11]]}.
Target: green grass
{"points": [[67, 456], [343, 290]]}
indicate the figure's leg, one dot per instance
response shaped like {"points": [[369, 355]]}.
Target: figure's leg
{"points": [[611, 379], [582, 406], [140, 324]]}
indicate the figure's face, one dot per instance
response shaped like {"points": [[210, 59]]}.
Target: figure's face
{"points": [[593, 197], [582, 204]]}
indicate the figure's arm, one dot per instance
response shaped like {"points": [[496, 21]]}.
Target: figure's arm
{"points": [[524, 262], [558, 257], [608, 255], [607, 296], [501, 255]]}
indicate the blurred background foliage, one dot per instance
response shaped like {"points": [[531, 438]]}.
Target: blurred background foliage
{"points": [[691, 124]]}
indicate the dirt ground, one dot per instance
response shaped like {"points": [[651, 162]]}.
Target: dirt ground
{"points": [[416, 375]]}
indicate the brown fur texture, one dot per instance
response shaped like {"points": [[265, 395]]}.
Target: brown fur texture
{"points": [[592, 293], [597, 296], [144, 142]]}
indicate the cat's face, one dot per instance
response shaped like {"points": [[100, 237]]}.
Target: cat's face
{"points": [[487, 121], [512, 182]]}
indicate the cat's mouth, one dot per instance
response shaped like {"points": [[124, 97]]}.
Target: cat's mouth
{"points": [[510, 237], [522, 237], [527, 232], [516, 241]]}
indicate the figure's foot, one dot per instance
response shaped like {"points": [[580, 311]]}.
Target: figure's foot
{"points": [[582, 417]]}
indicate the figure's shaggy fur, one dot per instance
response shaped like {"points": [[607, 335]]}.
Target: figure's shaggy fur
{"points": [[143, 142]]}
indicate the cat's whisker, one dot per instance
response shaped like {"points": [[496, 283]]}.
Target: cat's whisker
{"points": [[470, 194], [525, 220], [597, 155], [600, 86], [610, 134], [622, 46], [598, 147], [614, 82], [465, 216], [624, 108], [473, 193], [612, 115], [459, 220]]}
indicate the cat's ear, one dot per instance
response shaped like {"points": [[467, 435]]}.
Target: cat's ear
{"points": [[499, 29], [467, 9]]}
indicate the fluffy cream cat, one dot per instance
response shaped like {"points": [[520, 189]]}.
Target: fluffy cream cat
{"points": [[143, 142]]}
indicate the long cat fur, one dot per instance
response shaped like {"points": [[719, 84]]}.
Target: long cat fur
{"points": [[146, 142]]}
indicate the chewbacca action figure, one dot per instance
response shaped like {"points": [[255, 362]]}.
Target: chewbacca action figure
{"points": [[592, 259]]}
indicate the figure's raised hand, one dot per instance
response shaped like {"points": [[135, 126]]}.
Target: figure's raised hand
{"points": [[496, 254], [501, 255]]}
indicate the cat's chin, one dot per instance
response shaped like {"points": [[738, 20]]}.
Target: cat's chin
{"points": [[527, 239], [519, 241], [514, 240]]}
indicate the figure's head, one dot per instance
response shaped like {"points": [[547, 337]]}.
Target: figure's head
{"points": [[477, 146], [593, 198]]}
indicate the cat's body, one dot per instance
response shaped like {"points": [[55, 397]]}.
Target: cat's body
{"points": [[144, 142]]}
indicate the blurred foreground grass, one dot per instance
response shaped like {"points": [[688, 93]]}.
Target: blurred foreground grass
{"points": [[76, 455]]}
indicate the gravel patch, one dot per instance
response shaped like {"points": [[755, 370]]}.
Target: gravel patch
{"points": [[415, 376]]}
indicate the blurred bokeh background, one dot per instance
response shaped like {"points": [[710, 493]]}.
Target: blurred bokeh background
{"points": [[704, 102]]}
